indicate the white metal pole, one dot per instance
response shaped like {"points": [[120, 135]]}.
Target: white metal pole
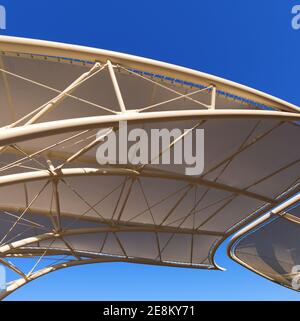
{"points": [[116, 86]]}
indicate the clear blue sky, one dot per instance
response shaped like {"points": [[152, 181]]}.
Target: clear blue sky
{"points": [[250, 41]]}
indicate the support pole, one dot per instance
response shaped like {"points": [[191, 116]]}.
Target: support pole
{"points": [[213, 97], [116, 86]]}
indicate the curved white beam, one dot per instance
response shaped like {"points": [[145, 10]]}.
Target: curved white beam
{"points": [[278, 210], [55, 49], [13, 135], [110, 171], [21, 282], [105, 259], [121, 225], [11, 247], [275, 211]]}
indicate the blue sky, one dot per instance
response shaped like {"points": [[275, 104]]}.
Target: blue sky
{"points": [[251, 42]]}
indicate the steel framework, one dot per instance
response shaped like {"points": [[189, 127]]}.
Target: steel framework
{"points": [[24, 163]]}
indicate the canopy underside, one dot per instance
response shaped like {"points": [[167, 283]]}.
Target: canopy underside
{"points": [[271, 248], [57, 200]]}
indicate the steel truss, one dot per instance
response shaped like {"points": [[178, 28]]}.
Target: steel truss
{"points": [[31, 126]]}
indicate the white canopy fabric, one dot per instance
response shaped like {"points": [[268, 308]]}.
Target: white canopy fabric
{"points": [[270, 247], [57, 201]]}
